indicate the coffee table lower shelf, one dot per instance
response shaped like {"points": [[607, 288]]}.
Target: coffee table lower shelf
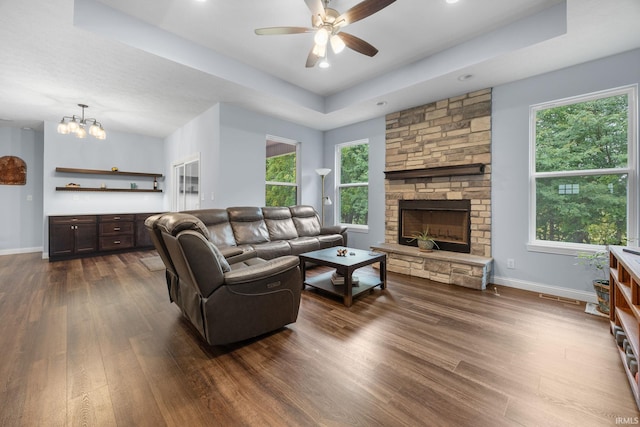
{"points": [[323, 281]]}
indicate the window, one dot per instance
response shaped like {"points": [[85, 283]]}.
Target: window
{"points": [[281, 187], [352, 178], [583, 171], [186, 184]]}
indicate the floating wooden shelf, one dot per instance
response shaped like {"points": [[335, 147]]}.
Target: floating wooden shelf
{"points": [[440, 171], [121, 190], [108, 172]]}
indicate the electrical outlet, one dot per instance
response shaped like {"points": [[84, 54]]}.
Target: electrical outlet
{"points": [[511, 263]]}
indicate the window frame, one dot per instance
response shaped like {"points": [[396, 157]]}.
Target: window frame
{"points": [[338, 185], [288, 141], [178, 189], [570, 248]]}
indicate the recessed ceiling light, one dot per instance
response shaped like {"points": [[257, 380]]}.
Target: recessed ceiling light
{"points": [[381, 103], [452, 1], [465, 77]]}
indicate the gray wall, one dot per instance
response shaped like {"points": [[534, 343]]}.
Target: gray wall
{"points": [[374, 131], [554, 274], [128, 152], [21, 213], [231, 142]]}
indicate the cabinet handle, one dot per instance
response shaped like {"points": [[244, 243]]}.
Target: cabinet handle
{"points": [[116, 228], [116, 218], [116, 242]]}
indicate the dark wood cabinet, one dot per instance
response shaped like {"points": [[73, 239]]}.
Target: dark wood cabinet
{"points": [[115, 232], [72, 236], [86, 235], [143, 240]]}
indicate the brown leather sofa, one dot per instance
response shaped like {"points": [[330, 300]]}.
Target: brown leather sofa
{"points": [[270, 231], [226, 299]]}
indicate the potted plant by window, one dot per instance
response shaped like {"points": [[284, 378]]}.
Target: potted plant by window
{"points": [[599, 261], [425, 241]]}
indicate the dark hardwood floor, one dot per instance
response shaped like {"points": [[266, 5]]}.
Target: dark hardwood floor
{"points": [[96, 342]]}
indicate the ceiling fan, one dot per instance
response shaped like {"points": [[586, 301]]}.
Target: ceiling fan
{"points": [[328, 23]]}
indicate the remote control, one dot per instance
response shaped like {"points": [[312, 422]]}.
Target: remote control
{"points": [[631, 251]]}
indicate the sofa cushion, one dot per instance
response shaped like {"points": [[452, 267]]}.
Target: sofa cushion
{"points": [[304, 244], [271, 250], [248, 225], [306, 220], [217, 222], [279, 223]]}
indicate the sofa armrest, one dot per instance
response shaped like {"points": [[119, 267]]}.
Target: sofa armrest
{"points": [[333, 229], [230, 251], [242, 256], [261, 271]]}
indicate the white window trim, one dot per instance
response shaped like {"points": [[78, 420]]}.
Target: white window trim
{"points": [[336, 190], [298, 168], [573, 249]]}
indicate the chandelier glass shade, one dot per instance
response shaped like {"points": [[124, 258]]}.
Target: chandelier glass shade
{"points": [[78, 125]]}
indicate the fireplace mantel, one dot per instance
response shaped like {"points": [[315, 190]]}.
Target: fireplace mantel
{"points": [[455, 170]]}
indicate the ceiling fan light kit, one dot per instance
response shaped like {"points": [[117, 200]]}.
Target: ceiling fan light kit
{"points": [[327, 25]]}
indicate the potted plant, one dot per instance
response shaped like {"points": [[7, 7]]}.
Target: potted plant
{"points": [[599, 261], [425, 241]]}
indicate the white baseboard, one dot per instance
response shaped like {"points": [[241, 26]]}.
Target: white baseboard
{"points": [[20, 251], [546, 289]]}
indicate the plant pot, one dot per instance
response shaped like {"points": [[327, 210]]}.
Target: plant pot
{"points": [[425, 245], [602, 292]]}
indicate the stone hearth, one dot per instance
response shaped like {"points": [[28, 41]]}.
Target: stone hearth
{"points": [[451, 133]]}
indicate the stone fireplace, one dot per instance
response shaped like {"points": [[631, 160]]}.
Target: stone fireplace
{"points": [[439, 155], [448, 222]]}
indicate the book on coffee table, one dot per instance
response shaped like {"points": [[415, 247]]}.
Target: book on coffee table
{"points": [[337, 279]]}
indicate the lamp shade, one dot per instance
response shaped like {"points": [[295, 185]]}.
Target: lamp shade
{"points": [[323, 171]]}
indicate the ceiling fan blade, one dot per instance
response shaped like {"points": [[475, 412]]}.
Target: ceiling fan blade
{"points": [[316, 7], [312, 58], [357, 44], [361, 11], [274, 31]]}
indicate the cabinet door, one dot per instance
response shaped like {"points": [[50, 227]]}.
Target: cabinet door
{"points": [[143, 240], [61, 239], [86, 238]]}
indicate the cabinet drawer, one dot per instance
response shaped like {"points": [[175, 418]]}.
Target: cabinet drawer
{"points": [[112, 243], [116, 218], [116, 228], [77, 219]]}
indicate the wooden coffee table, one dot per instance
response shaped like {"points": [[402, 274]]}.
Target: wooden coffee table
{"points": [[345, 265]]}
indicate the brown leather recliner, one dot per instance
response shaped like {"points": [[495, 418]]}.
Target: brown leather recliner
{"points": [[225, 302]]}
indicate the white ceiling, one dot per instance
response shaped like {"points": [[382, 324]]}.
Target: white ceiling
{"points": [[150, 66]]}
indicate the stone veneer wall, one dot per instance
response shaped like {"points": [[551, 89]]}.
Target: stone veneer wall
{"points": [[449, 132]]}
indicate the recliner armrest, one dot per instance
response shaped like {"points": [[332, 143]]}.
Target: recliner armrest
{"points": [[261, 271]]}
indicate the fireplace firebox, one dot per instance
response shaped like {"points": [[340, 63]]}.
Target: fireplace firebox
{"points": [[448, 221]]}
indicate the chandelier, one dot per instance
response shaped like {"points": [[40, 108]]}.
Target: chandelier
{"points": [[77, 125]]}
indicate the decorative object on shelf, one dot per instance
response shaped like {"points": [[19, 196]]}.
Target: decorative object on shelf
{"points": [[77, 124], [599, 261], [73, 185], [425, 241], [342, 252], [155, 183], [13, 171], [114, 169], [325, 201]]}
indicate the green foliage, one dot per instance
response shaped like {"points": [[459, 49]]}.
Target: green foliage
{"points": [[587, 135], [354, 168], [281, 169]]}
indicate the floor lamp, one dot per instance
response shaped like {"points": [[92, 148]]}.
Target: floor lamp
{"points": [[326, 201]]}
